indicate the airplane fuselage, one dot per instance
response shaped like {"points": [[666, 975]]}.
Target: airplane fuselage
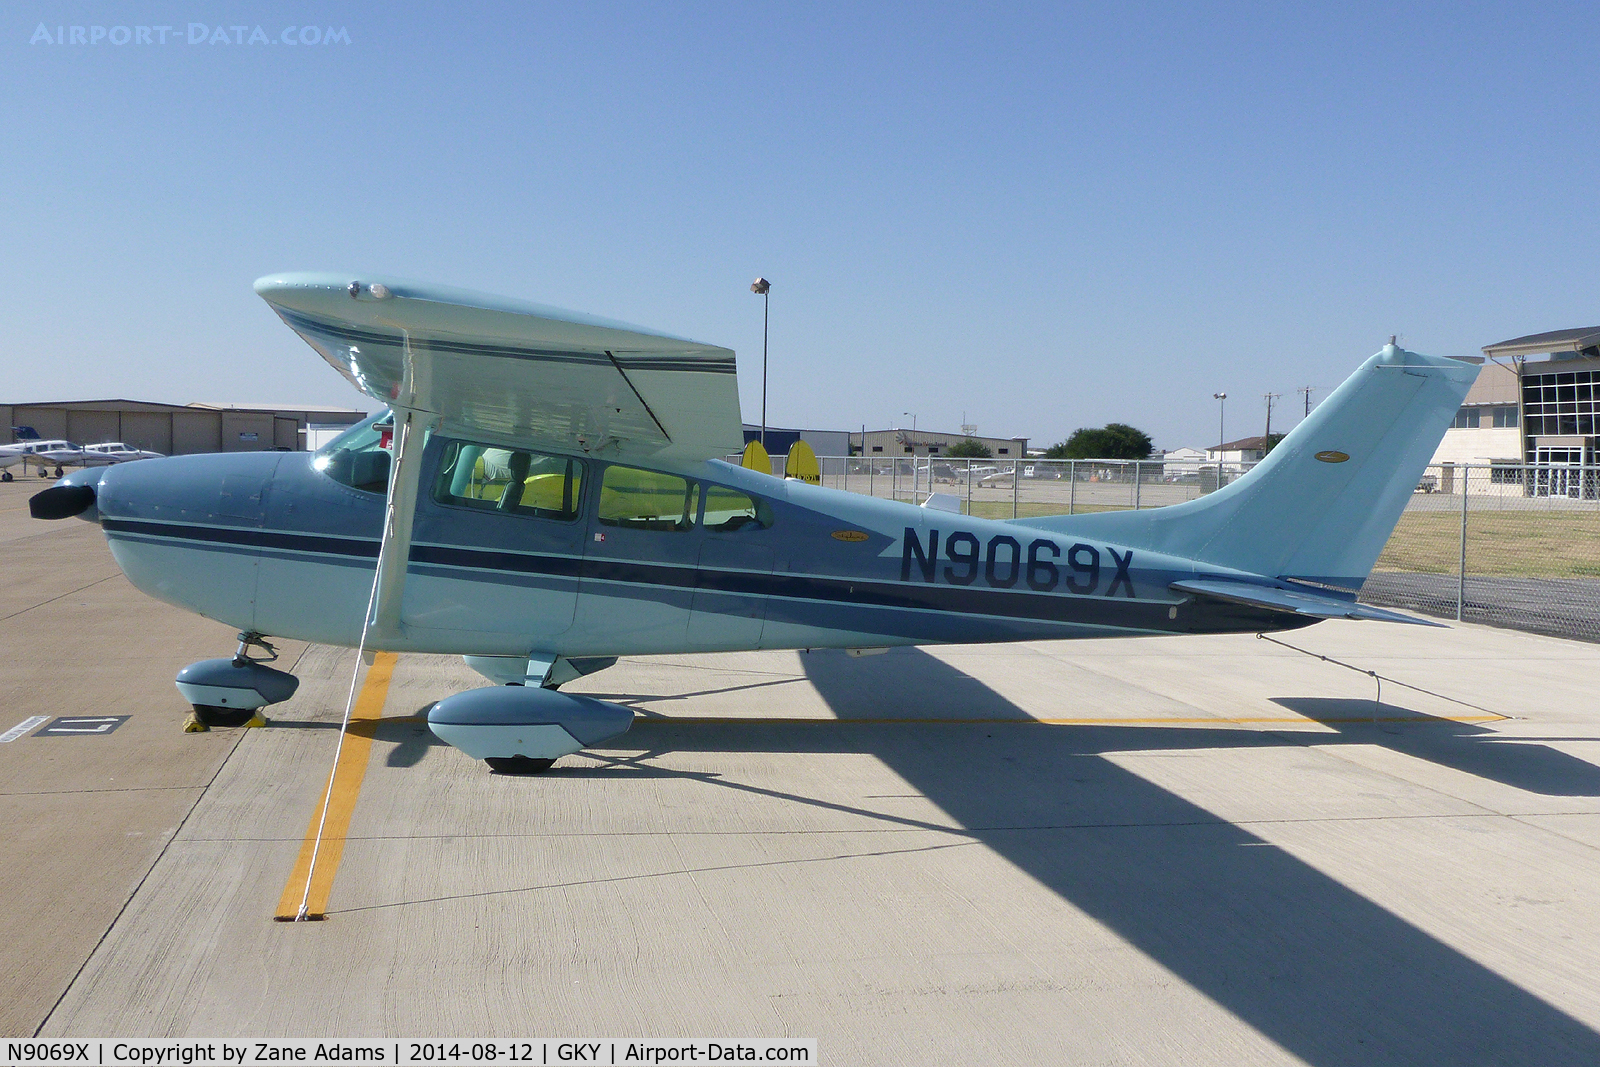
{"points": [[34, 450], [270, 543]]}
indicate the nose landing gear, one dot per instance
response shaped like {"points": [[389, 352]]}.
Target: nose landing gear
{"points": [[232, 692]]}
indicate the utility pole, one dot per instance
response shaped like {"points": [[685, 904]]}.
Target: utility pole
{"points": [[1270, 398], [761, 287], [1305, 391]]}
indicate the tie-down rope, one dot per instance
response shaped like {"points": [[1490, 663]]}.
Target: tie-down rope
{"points": [[1378, 678], [402, 430]]}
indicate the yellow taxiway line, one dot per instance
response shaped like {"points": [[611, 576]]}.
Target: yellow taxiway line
{"points": [[345, 787], [352, 766], [1206, 720]]}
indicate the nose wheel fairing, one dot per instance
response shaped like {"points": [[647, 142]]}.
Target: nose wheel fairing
{"points": [[235, 683], [231, 692]]}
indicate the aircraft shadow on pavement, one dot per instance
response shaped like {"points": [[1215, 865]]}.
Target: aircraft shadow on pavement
{"points": [[407, 738], [1327, 974], [1467, 747]]}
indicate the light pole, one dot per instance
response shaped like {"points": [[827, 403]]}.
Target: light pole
{"points": [[913, 451], [1222, 437], [761, 287]]}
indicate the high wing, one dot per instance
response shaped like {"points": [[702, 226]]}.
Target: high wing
{"points": [[496, 368]]}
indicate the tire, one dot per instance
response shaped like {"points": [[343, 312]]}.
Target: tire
{"points": [[5, 476], [214, 715], [517, 765]]}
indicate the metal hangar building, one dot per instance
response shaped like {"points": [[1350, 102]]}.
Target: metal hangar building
{"points": [[179, 429]]}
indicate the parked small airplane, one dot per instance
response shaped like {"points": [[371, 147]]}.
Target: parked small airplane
{"points": [[29, 446], [541, 497], [109, 452]]}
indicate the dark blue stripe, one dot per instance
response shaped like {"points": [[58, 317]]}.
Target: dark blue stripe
{"points": [[1197, 616], [244, 535]]}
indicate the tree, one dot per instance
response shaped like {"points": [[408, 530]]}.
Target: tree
{"points": [[1272, 442], [1114, 440], [969, 449]]}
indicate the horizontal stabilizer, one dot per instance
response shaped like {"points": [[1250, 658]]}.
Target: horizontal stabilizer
{"points": [[1310, 602]]}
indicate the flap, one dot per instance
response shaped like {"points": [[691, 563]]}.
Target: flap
{"points": [[1295, 601], [515, 371]]}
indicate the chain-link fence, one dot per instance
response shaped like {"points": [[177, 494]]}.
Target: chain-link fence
{"points": [[1010, 489], [1509, 545]]}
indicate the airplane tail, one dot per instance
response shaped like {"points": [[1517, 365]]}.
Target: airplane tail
{"points": [[24, 433], [1322, 505]]}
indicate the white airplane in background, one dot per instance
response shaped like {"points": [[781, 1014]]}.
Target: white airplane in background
{"points": [[58, 453], [36, 450], [109, 452]]}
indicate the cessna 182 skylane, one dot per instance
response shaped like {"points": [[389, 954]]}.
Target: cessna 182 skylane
{"points": [[544, 493]]}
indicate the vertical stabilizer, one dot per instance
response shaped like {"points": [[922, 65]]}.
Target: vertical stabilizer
{"points": [[1321, 506]]}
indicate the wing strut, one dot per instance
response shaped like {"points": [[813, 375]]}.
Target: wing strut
{"points": [[411, 422], [382, 622]]}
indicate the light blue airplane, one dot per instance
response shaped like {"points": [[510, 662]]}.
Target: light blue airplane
{"points": [[544, 493]]}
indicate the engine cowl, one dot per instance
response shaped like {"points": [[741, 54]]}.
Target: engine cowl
{"points": [[511, 721]]}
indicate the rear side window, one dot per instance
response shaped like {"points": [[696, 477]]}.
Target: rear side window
{"points": [[729, 509], [509, 480], [646, 500]]}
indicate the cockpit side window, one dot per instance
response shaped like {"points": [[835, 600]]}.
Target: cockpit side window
{"points": [[488, 478], [728, 509], [646, 500], [360, 457]]}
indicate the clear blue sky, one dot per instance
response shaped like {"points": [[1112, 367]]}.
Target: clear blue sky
{"points": [[1039, 216]]}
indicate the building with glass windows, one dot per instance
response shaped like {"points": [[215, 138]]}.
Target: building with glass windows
{"points": [[1536, 403]]}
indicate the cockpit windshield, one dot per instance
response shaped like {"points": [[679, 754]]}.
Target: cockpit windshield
{"points": [[360, 457]]}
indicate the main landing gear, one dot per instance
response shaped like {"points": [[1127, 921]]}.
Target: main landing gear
{"points": [[232, 692], [524, 725]]}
